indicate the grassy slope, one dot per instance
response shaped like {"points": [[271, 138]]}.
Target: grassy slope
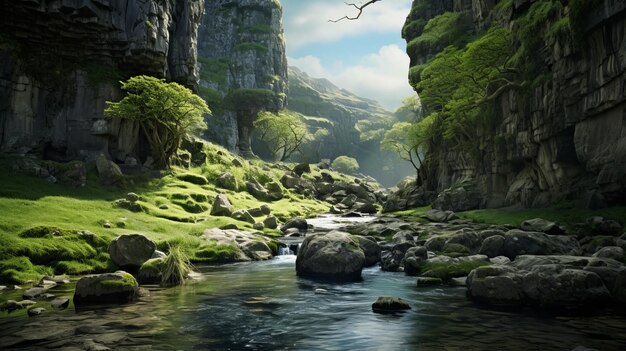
{"points": [[29, 202]]}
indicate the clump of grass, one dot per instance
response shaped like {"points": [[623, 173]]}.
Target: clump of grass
{"points": [[18, 270], [176, 267]]}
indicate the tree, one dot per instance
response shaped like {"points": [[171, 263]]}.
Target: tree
{"points": [[284, 132], [411, 109], [164, 111], [345, 164], [359, 8]]}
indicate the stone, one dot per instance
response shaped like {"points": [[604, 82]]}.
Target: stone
{"points": [[613, 252], [270, 222], [36, 311], [298, 223], [466, 237], [301, 168], [237, 162], [541, 225], [258, 226], [387, 304], [257, 249], [265, 209], [227, 181], [221, 206], [371, 249], [133, 197], [335, 255], [34, 293], [492, 246], [128, 205], [500, 260], [392, 260], [158, 254], [436, 243], [60, 303], [255, 212], [439, 216], [568, 288], [496, 285], [403, 236], [414, 259], [365, 207], [131, 250], [151, 271], [244, 216], [459, 197], [518, 242], [428, 281], [250, 246], [602, 226], [118, 287], [108, 172]]}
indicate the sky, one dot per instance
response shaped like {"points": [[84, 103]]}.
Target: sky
{"points": [[366, 56]]}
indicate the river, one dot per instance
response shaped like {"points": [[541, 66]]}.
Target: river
{"points": [[265, 306]]}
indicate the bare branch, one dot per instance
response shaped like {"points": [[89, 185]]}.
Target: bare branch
{"points": [[359, 8]]}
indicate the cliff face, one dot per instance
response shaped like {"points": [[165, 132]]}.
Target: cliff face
{"points": [[61, 60], [566, 139], [241, 46]]}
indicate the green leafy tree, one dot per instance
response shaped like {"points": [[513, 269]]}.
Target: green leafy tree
{"points": [[284, 132], [164, 111], [411, 142], [410, 110], [345, 164]]}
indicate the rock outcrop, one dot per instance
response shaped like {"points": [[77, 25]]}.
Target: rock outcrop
{"points": [[563, 139], [335, 256], [61, 61], [241, 47]]}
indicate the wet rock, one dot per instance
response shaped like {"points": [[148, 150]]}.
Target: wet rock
{"points": [[386, 304], [365, 207], [221, 206], [542, 225], [370, 248], [439, 216], [414, 259], [298, 223], [492, 246], [392, 261], [403, 236], [151, 271], [335, 255], [250, 246], [496, 285], [118, 287], [131, 250], [566, 288]]}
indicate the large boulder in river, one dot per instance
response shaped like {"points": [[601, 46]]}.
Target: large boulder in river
{"points": [[519, 242], [118, 287], [370, 248], [335, 255], [131, 251]]}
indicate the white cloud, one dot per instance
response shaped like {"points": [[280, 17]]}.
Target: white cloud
{"points": [[380, 76], [309, 23]]}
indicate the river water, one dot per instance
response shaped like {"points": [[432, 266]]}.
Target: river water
{"points": [[265, 306]]}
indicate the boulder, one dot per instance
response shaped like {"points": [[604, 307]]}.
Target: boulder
{"points": [[270, 222], [492, 246], [60, 303], [370, 248], [250, 246], [518, 242], [151, 271], [365, 207], [392, 261], [34, 293], [335, 255], [118, 287], [221, 206], [460, 197], [403, 236], [131, 250], [613, 252], [298, 223], [541, 225], [414, 259], [602, 226], [108, 171], [301, 168], [565, 288], [244, 216], [227, 181], [386, 304], [36, 311], [256, 212], [428, 281], [496, 285], [439, 216], [275, 191], [265, 209], [436, 243], [466, 237]]}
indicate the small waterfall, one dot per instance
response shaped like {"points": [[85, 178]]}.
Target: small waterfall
{"points": [[284, 250]]}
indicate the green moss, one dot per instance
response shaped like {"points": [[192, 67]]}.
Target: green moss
{"points": [[213, 253], [193, 178], [19, 270], [127, 281], [447, 271], [560, 30], [428, 281], [214, 71], [213, 98], [72, 267], [455, 248], [449, 28], [249, 46], [100, 73]]}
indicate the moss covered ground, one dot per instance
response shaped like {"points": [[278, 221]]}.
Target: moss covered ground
{"points": [[48, 228]]}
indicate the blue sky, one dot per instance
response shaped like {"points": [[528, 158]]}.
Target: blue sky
{"points": [[365, 56]]}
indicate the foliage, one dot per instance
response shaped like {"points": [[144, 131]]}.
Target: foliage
{"points": [[176, 267], [449, 28], [214, 70], [410, 110], [284, 132], [345, 164], [164, 111]]}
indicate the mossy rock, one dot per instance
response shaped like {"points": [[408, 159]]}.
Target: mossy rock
{"points": [[386, 304], [151, 271], [455, 248], [41, 232], [19, 270], [448, 270], [118, 287], [193, 178], [428, 281], [191, 206]]}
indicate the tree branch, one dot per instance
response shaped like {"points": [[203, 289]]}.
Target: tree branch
{"points": [[359, 8]]}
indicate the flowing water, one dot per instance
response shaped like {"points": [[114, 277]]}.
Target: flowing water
{"points": [[265, 306]]}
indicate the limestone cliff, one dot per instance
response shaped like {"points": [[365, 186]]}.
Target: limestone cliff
{"points": [[566, 138], [60, 60], [241, 48]]}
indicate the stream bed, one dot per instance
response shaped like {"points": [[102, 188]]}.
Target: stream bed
{"points": [[265, 306]]}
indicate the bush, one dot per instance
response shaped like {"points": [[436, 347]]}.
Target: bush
{"points": [[345, 164]]}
